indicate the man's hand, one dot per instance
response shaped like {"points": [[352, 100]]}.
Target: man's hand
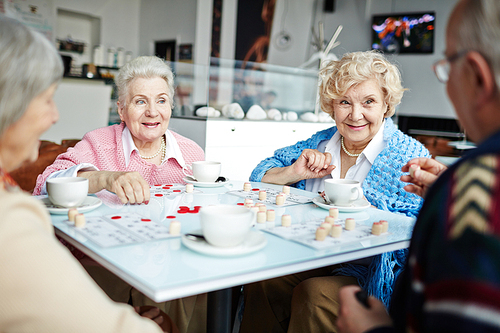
{"points": [[354, 317], [423, 173]]}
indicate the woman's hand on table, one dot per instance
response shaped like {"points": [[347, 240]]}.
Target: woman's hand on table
{"points": [[354, 317], [310, 164], [425, 172], [128, 186]]}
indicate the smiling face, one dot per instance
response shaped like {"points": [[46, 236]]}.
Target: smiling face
{"points": [[360, 113], [20, 141], [147, 109]]}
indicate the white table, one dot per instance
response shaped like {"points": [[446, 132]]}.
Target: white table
{"points": [[165, 270]]}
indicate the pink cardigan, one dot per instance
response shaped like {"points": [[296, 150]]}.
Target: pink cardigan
{"points": [[103, 148]]}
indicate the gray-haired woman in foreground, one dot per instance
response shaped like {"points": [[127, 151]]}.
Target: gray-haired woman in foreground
{"points": [[43, 287]]}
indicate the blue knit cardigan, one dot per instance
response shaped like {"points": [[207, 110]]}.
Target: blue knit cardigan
{"points": [[382, 188]]}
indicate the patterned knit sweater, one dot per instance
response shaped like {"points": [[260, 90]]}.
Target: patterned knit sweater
{"points": [[452, 282], [104, 149], [382, 188]]}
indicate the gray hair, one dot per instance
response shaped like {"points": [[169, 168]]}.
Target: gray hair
{"points": [[29, 65], [145, 67], [479, 30], [355, 68]]}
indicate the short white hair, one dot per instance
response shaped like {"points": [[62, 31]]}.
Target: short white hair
{"points": [[144, 67], [479, 30], [29, 65]]}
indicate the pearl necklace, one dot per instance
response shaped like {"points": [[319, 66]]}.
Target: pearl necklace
{"points": [[161, 150], [345, 150]]}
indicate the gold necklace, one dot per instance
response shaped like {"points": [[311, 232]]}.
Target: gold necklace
{"points": [[345, 150], [162, 149]]}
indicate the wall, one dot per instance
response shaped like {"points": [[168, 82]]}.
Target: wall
{"points": [[166, 20], [119, 20], [426, 97]]}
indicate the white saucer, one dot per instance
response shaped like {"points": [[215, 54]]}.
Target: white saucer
{"points": [[205, 184], [255, 241], [356, 206], [89, 204]]}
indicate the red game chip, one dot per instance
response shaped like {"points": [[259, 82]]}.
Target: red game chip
{"points": [[177, 190], [183, 211], [146, 220], [240, 204], [166, 187], [157, 185], [255, 189], [116, 217], [158, 195], [171, 217], [197, 207], [184, 207]]}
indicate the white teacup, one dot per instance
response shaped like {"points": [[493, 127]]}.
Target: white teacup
{"points": [[226, 225], [67, 191], [343, 192], [204, 171]]}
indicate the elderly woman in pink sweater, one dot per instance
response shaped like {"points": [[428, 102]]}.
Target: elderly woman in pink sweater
{"points": [[127, 158]]}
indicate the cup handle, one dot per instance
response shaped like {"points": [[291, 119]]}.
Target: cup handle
{"points": [[358, 192], [187, 167]]}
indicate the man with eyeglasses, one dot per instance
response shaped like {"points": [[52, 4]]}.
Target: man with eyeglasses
{"points": [[452, 277]]}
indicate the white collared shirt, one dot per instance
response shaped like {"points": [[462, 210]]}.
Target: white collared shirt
{"points": [[172, 151], [359, 170]]}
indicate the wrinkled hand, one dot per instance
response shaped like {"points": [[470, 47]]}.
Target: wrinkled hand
{"points": [[354, 317], [313, 164], [425, 172], [128, 186]]}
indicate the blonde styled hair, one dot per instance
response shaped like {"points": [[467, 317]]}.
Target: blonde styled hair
{"points": [[354, 68]]}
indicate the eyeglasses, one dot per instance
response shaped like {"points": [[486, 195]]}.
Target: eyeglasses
{"points": [[442, 67]]}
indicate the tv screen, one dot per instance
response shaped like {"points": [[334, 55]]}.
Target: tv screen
{"points": [[404, 33]]}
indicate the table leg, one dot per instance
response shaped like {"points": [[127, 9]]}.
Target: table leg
{"points": [[219, 311]]}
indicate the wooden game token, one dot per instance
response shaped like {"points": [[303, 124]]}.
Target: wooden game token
{"points": [[247, 187], [413, 168], [286, 220], [261, 217], [280, 200], [79, 220], [327, 226], [189, 188], [321, 234], [262, 207], [385, 225], [329, 220], [175, 228], [336, 231], [262, 195], [376, 228], [71, 214], [270, 215], [248, 200], [249, 205], [286, 189], [334, 212], [350, 224]]}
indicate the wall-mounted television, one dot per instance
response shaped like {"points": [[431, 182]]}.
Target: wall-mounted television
{"points": [[404, 33]]}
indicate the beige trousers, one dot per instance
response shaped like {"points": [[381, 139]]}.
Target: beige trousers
{"points": [[297, 303], [188, 313]]}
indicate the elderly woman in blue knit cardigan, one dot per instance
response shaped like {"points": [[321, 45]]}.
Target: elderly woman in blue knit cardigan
{"points": [[360, 92]]}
